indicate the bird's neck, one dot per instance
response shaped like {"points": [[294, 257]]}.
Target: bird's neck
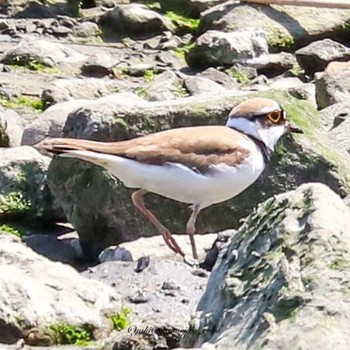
{"points": [[266, 152], [266, 137], [249, 128]]}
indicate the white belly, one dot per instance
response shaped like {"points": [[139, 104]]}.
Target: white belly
{"points": [[180, 183]]}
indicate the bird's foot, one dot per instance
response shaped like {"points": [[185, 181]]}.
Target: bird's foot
{"points": [[190, 261]]}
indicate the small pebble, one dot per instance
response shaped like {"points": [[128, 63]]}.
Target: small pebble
{"points": [[170, 285]]}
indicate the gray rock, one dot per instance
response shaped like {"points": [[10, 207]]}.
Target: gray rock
{"points": [[202, 5], [135, 19], [333, 85], [35, 9], [164, 87], [53, 248], [156, 247], [65, 21], [332, 116], [52, 121], [114, 253], [170, 284], [15, 125], [61, 90], [201, 85], [173, 43], [37, 293], [99, 65], [86, 29], [3, 25], [60, 31], [214, 48], [41, 51], [305, 91], [316, 56], [292, 85], [242, 74], [23, 187], [170, 59], [4, 137], [110, 3], [139, 69], [219, 77], [143, 291], [31, 9], [285, 25], [336, 118], [285, 83], [286, 284], [110, 218], [277, 64], [193, 7]]}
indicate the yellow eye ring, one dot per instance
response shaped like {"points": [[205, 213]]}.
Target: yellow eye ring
{"points": [[275, 116]]}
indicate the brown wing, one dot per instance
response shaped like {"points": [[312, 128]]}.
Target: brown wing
{"points": [[195, 147]]}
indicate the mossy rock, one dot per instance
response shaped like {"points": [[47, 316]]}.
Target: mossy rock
{"points": [[4, 137], [282, 276], [286, 26], [24, 194], [100, 208]]}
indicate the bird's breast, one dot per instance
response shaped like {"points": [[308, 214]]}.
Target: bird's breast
{"points": [[221, 182]]}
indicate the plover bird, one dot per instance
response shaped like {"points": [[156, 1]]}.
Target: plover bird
{"points": [[200, 165]]}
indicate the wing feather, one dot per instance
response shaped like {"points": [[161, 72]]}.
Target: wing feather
{"points": [[196, 147]]}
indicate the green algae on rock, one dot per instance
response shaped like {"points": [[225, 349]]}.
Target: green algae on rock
{"points": [[280, 272]]}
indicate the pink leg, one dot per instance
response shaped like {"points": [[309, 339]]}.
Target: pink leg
{"points": [[191, 229], [168, 238]]}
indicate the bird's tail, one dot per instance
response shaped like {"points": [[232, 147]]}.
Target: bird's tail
{"points": [[62, 145], [91, 151]]}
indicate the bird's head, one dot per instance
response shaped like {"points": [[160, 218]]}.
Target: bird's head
{"points": [[262, 118]]}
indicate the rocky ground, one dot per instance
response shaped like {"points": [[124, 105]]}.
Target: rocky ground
{"points": [[80, 268]]}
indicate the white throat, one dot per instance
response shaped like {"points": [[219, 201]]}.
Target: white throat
{"points": [[269, 136]]}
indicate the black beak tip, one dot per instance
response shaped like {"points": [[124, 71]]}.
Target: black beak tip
{"points": [[294, 129]]}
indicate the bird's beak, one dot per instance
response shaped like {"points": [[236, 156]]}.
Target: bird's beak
{"points": [[293, 129]]}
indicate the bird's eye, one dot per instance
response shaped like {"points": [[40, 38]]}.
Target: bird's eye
{"points": [[275, 116]]}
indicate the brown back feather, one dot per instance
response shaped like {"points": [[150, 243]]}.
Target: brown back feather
{"points": [[196, 147]]}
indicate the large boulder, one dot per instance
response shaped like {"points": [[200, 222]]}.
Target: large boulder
{"points": [[316, 56], [99, 65], [164, 87], [333, 84], [286, 26], [36, 9], [50, 54], [337, 121], [283, 280], [23, 186], [100, 208], [4, 136], [11, 128], [135, 19], [61, 90], [38, 295], [215, 48], [52, 121]]}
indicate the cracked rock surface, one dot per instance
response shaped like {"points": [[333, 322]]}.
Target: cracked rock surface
{"points": [[282, 282]]}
